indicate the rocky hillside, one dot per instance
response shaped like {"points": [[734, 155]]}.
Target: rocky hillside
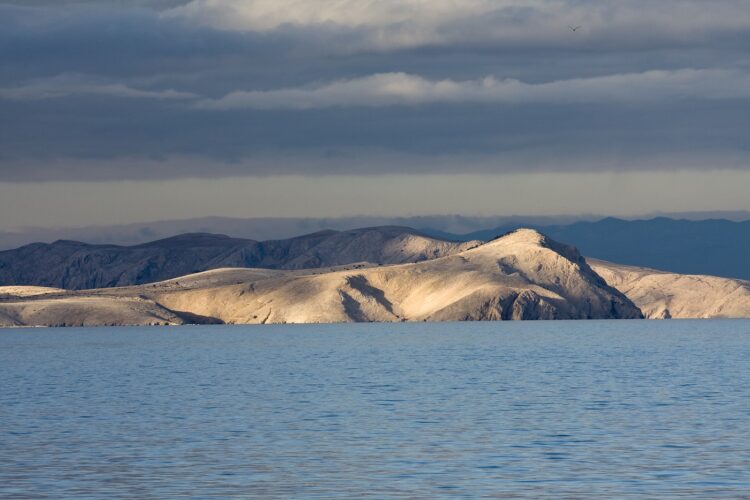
{"points": [[664, 295], [76, 266], [713, 247], [520, 276]]}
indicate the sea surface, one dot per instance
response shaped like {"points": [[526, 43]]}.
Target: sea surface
{"points": [[602, 409]]}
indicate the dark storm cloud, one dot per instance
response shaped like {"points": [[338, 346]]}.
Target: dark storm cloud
{"points": [[163, 89], [120, 43]]}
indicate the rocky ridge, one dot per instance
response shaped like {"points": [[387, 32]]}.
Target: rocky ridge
{"points": [[520, 276]]}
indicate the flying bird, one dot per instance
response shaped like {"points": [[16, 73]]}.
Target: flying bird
{"points": [[574, 28]]}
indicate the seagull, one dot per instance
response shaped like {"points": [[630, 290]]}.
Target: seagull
{"points": [[574, 28]]}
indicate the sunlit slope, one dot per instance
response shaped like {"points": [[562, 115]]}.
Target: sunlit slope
{"points": [[662, 294]]}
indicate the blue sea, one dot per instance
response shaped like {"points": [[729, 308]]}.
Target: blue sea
{"points": [[460, 410]]}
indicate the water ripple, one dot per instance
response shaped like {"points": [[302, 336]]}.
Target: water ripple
{"points": [[495, 410]]}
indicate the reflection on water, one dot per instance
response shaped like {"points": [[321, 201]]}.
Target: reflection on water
{"points": [[599, 408]]}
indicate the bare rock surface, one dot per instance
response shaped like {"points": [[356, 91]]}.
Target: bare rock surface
{"points": [[72, 310], [664, 295]]}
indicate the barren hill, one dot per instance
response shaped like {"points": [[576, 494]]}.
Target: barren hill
{"points": [[663, 295], [75, 265], [522, 275]]}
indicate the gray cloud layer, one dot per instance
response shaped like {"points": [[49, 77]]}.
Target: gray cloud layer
{"points": [[70, 85], [389, 89], [395, 24], [164, 89]]}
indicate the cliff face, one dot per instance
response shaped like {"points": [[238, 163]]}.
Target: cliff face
{"points": [[76, 266], [522, 275]]}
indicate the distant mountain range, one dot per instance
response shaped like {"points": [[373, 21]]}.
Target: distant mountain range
{"points": [[707, 247], [717, 246], [714, 247], [276, 228], [75, 265], [264, 228]]}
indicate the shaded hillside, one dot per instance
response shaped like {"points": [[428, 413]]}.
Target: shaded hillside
{"points": [[76, 265], [521, 276], [713, 247]]}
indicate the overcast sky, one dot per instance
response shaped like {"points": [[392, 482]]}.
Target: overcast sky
{"points": [[429, 101]]}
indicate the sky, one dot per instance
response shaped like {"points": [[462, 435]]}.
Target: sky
{"points": [[121, 111]]}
